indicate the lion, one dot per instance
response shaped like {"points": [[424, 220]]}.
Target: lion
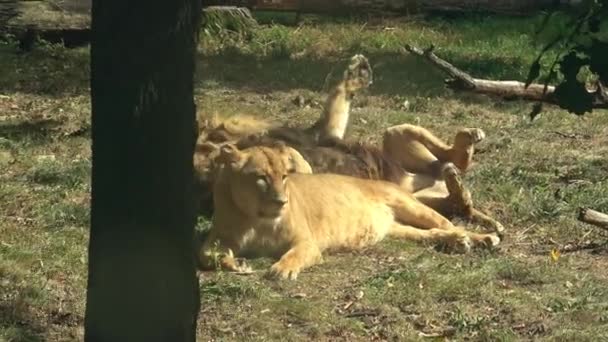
{"points": [[410, 155], [332, 124], [439, 185], [266, 204], [334, 120]]}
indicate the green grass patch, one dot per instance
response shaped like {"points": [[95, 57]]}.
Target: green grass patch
{"points": [[531, 176]]}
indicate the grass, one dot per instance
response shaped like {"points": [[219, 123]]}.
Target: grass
{"points": [[532, 176]]}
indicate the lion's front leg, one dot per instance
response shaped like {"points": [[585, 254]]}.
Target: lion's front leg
{"points": [[300, 256]]}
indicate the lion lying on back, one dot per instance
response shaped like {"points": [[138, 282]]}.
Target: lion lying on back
{"points": [[267, 205]]}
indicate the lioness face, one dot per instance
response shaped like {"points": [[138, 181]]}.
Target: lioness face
{"points": [[205, 154], [259, 177]]}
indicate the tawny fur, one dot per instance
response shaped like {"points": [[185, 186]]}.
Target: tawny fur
{"points": [[368, 162], [334, 120], [263, 208], [411, 156]]}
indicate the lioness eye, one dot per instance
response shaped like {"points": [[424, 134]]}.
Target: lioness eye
{"points": [[261, 182]]}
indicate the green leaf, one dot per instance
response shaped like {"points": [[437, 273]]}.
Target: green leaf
{"points": [[574, 97], [598, 59], [570, 64]]}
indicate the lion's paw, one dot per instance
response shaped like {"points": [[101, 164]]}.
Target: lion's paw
{"points": [[491, 240], [485, 240], [241, 266], [474, 135], [469, 136], [456, 243], [283, 270], [459, 197], [477, 135], [461, 244]]}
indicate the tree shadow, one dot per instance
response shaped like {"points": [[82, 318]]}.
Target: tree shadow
{"points": [[59, 72], [29, 130], [395, 74], [50, 70], [19, 324]]}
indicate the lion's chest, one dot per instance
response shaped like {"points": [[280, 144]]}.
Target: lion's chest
{"points": [[265, 238]]}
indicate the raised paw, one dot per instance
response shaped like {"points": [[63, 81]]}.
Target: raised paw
{"points": [[449, 170], [283, 270], [461, 153], [459, 197], [453, 182], [470, 136]]}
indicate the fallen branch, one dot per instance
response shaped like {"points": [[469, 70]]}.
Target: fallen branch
{"points": [[593, 217], [461, 81]]}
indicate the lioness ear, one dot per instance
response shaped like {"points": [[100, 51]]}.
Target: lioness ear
{"points": [[296, 163], [279, 145], [230, 154]]}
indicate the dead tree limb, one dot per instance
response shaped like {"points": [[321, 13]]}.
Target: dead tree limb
{"points": [[593, 217], [461, 81]]}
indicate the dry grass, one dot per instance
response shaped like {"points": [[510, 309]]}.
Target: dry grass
{"points": [[531, 175]]}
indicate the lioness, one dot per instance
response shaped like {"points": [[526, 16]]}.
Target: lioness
{"points": [[410, 156], [438, 185], [264, 207]]}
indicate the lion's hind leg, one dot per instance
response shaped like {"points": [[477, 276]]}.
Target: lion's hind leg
{"points": [[418, 150], [452, 239], [414, 148], [461, 202], [410, 211], [458, 197]]}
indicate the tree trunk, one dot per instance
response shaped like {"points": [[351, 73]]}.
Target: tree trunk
{"points": [[142, 283]]}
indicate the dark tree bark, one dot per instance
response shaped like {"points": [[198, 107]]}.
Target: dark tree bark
{"points": [[142, 283]]}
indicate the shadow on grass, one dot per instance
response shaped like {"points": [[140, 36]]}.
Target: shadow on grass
{"points": [[29, 130], [56, 71], [16, 325], [47, 70], [394, 74]]}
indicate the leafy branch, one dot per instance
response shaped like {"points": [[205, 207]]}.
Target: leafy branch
{"points": [[581, 44]]}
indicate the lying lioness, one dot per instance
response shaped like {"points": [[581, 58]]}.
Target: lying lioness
{"points": [[264, 207]]}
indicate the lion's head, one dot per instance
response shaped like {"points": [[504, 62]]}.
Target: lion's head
{"points": [[258, 176]]}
